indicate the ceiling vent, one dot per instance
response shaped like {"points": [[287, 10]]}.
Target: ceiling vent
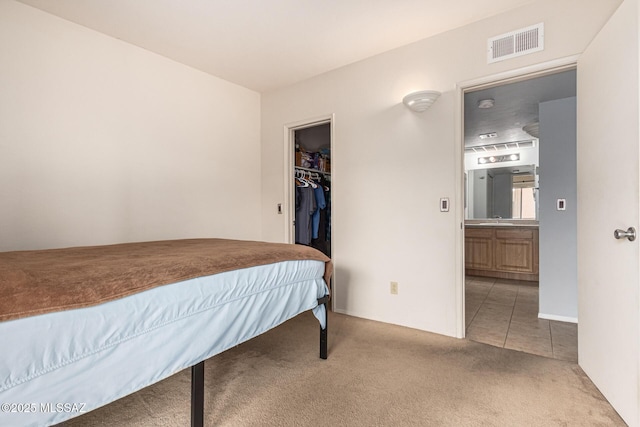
{"points": [[516, 43], [489, 148]]}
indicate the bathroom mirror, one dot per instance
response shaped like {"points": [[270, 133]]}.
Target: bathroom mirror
{"points": [[501, 193]]}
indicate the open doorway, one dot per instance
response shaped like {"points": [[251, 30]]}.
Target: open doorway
{"points": [[520, 208], [312, 184], [315, 138], [309, 184]]}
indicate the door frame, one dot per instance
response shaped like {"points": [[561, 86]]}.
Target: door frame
{"points": [[289, 209], [498, 79]]}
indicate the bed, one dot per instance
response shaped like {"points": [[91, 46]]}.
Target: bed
{"points": [[82, 327]]}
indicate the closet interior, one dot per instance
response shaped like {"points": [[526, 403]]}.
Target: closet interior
{"points": [[312, 180]]}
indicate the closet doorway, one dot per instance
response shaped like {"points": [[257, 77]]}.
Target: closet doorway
{"points": [[308, 172]]}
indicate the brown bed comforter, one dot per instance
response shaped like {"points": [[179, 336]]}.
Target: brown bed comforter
{"points": [[44, 281]]}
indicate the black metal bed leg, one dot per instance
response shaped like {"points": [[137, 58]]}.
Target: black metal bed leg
{"points": [[324, 332], [197, 395], [323, 343]]}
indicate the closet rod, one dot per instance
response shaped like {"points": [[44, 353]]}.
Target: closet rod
{"points": [[312, 170]]}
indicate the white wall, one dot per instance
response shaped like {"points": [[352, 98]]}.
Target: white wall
{"points": [[390, 166], [103, 142]]}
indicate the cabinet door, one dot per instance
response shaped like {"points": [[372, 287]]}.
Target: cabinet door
{"points": [[515, 254], [478, 253]]}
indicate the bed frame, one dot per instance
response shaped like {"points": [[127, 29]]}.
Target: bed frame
{"points": [[197, 373], [213, 255]]}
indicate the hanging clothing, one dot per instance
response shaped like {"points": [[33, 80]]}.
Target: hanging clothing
{"points": [[321, 240], [305, 207], [320, 204], [327, 222]]}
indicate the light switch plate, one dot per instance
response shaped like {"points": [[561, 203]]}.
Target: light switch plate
{"points": [[561, 204], [444, 204]]}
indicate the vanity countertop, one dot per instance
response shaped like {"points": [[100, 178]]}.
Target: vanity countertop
{"points": [[501, 223]]}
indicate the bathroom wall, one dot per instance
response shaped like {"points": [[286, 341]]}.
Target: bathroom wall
{"points": [[558, 229]]}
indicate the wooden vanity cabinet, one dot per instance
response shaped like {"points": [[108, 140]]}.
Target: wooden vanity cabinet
{"points": [[478, 249], [502, 252]]}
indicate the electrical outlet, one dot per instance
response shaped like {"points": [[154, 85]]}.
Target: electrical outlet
{"points": [[394, 288]]}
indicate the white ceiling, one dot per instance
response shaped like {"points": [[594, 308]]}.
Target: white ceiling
{"points": [[267, 44], [516, 105]]}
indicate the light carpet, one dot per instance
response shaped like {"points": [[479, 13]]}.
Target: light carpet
{"points": [[376, 375]]}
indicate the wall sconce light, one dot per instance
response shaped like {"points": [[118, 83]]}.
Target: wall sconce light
{"points": [[421, 100]]}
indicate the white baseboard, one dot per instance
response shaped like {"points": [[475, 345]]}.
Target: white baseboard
{"points": [[558, 318]]}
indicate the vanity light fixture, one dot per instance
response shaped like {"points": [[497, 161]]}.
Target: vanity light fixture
{"points": [[499, 159], [421, 100]]}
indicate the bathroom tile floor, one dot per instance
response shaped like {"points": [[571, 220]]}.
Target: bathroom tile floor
{"points": [[504, 313]]}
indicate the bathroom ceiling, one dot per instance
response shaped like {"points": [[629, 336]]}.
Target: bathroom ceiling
{"points": [[267, 44], [515, 106]]}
